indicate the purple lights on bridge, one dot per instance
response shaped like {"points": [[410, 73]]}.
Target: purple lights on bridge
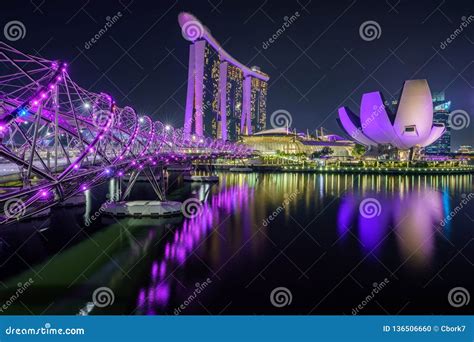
{"points": [[65, 139]]}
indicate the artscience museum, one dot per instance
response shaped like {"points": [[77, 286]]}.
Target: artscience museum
{"points": [[410, 127]]}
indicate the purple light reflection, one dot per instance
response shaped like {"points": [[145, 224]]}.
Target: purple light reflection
{"points": [[183, 244], [415, 218]]}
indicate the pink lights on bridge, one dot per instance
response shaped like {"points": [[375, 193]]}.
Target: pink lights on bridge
{"points": [[85, 135]]}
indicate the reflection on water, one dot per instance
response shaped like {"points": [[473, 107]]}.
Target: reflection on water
{"points": [[312, 245], [230, 200], [415, 218], [231, 221]]}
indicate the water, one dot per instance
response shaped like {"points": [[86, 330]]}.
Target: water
{"points": [[339, 244]]}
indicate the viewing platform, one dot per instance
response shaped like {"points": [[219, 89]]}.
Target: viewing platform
{"points": [[143, 208]]}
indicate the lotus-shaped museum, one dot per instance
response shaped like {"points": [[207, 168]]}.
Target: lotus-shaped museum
{"points": [[411, 126]]}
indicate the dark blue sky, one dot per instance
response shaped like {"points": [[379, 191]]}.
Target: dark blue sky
{"points": [[318, 64]]}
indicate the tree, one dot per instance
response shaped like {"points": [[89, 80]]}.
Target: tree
{"points": [[358, 150], [324, 152]]}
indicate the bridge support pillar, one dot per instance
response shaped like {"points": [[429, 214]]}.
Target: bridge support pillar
{"points": [[145, 208]]}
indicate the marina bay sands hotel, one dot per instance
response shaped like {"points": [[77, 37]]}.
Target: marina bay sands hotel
{"points": [[225, 98]]}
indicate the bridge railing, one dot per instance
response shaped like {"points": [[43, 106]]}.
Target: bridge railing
{"points": [[64, 139]]}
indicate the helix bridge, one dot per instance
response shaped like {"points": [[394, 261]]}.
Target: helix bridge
{"points": [[59, 139]]}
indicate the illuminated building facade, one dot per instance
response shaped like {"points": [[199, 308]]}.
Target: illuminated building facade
{"points": [[233, 104], [281, 140], [411, 126], [258, 104], [225, 99], [442, 108], [465, 149], [210, 91]]}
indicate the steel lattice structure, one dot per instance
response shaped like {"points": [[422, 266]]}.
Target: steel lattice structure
{"points": [[60, 139]]}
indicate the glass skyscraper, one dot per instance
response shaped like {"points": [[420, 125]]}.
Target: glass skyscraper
{"points": [[441, 111]]}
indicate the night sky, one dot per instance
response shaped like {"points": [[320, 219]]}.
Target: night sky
{"points": [[318, 64]]}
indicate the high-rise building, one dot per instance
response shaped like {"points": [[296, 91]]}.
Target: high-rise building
{"points": [[441, 110], [225, 98], [210, 92], [233, 104], [259, 105]]}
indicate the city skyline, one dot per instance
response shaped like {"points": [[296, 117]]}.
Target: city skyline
{"points": [[313, 71], [207, 158]]}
